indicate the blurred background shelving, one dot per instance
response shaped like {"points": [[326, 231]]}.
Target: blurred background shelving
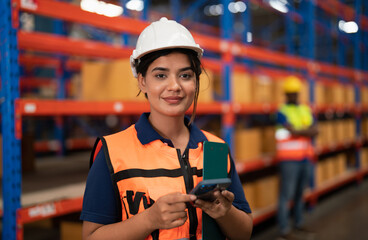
{"points": [[66, 79]]}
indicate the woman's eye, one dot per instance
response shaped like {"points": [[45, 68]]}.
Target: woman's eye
{"points": [[186, 76], [160, 76]]}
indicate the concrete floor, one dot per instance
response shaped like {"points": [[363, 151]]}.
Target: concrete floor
{"points": [[342, 215]]}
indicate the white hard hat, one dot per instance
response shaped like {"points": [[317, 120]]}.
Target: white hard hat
{"points": [[163, 34]]}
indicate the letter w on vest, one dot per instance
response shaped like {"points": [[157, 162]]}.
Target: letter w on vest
{"points": [[134, 201]]}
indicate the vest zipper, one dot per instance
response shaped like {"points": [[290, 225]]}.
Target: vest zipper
{"points": [[188, 180]]}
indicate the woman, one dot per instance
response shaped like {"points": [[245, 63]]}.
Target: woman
{"points": [[138, 184]]}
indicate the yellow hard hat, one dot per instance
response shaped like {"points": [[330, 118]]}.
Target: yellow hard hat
{"points": [[292, 84]]}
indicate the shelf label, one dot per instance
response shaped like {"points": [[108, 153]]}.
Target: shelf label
{"points": [[29, 4], [118, 107], [30, 108], [42, 210]]}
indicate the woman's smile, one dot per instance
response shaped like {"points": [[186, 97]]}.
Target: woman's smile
{"points": [[173, 99]]}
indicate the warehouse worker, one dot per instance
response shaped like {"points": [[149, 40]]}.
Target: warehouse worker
{"points": [[295, 130], [139, 181]]}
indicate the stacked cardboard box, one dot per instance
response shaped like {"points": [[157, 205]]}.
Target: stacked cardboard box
{"points": [[268, 141], [364, 95], [340, 164], [364, 158], [330, 168], [337, 94], [247, 144], [263, 192], [326, 135], [266, 190], [319, 176], [206, 87], [242, 85], [349, 129], [339, 132], [263, 89], [109, 81], [349, 94], [250, 193], [364, 128], [70, 230], [319, 94]]}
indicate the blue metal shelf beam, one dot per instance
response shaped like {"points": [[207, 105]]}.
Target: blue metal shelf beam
{"points": [[11, 180]]}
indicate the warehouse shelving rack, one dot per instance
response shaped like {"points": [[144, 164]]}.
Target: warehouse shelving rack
{"points": [[14, 108]]}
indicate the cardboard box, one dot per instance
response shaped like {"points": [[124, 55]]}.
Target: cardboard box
{"points": [[329, 133], [304, 93], [349, 129], [364, 94], [70, 230], [339, 135], [109, 81], [268, 140], [319, 173], [329, 93], [206, 87], [338, 96], [247, 144], [349, 94], [321, 137], [340, 164], [364, 158], [279, 96], [242, 88], [267, 189], [330, 171], [263, 89], [250, 194], [319, 94], [364, 128]]}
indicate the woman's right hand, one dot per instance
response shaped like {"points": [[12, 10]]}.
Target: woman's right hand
{"points": [[169, 211]]}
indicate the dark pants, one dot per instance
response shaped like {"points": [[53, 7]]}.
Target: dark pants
{"points": [[294, 176]]}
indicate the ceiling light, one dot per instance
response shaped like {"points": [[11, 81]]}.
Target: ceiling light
{"points": [[102, 8], [279, 5], [136, 5], [348, 27]]}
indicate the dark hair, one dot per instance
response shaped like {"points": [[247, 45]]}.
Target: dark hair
{"points": [[144, 62]]}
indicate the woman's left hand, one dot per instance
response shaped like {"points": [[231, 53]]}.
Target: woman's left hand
{"points": [[219, 207]]}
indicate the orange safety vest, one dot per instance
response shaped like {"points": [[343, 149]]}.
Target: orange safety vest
{"points": [[294, 148], [143, 173], [291, 147]]}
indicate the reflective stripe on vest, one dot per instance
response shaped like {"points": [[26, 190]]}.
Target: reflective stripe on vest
{"points": [[143, 173], [294, 149], [299, 145]]}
